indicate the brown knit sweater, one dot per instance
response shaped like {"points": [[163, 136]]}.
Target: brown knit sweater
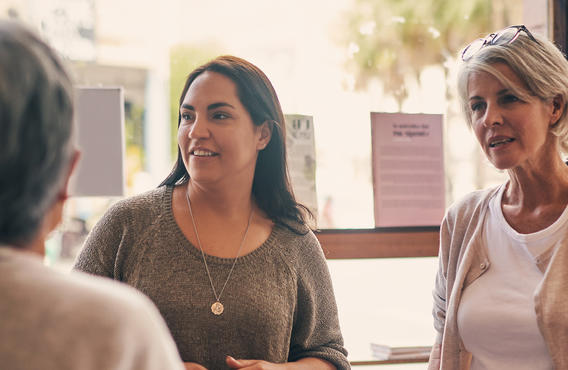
{"points": [[279, 302]]}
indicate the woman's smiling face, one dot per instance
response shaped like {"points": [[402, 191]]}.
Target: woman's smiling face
{"points": [[216, 135]]}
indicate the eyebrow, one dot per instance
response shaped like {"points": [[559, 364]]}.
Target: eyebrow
{"points": [[210, 106], [499, 93]]}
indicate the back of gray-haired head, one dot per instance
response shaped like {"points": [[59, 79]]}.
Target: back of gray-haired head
{"points": [[36, 114], [541, 67]]}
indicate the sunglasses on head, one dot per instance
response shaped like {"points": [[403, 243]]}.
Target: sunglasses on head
{"points": [[505, 36]]}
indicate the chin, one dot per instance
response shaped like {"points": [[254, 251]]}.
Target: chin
{"points": [[204, 179], [503, 163], [502, 166]]}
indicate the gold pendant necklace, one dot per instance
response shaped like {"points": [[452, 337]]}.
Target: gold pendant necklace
{"points": [[217, 307]]}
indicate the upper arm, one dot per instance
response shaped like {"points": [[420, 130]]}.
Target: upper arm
{"points": [[440, 285], [316, 331], [435, 354], [98, 254]]}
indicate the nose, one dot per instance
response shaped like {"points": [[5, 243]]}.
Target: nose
{"points": [[199, 129], [492, 116]]}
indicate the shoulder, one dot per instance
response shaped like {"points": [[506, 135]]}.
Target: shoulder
{"points": [[296, 237], [142, 209], [103, 301], [122, 322], [75, 320], [299, 247], [112, 314], [148, 202], [87, 313], [462, 222], [105, 293], [469, 205]]}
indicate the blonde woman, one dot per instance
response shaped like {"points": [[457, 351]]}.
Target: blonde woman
{"points": [[501, 290]]}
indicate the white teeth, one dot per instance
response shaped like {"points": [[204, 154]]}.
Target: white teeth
{"points": [[203, 153], [499, 142]]}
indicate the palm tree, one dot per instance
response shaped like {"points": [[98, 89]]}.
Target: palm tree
{"points": [[393, 40], [390, 40]]}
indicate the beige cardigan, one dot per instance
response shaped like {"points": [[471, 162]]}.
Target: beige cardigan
{"points": [[463, 258]]}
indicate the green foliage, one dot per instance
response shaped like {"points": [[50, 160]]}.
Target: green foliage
{"points": [[134, 126], [391, 40], [134, 132], [183, 60]]}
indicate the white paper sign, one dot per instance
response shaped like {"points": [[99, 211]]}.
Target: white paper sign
{"points": [[99, 121], [408, 169], [301, 157]]}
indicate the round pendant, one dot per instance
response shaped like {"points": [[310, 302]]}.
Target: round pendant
{"points": [[217, 308]]}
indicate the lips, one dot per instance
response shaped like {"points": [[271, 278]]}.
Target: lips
{"points": [[202, 153], [498, 141]]}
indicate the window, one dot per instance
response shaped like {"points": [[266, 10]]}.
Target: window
{"points": [[333, 60]]}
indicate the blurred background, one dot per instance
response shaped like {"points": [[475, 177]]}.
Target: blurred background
{"points": [[333, 60]]}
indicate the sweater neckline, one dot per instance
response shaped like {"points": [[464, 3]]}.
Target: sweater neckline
{"points": [[268, 244]]}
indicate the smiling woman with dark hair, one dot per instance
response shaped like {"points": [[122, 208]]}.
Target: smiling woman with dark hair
{"points": [[222, 246]]}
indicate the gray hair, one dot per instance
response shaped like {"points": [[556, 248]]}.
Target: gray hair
{"points": [[541, 67], [36, 115]]}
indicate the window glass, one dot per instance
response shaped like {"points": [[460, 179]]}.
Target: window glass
{"points": [[384, 301], [333, 60]]}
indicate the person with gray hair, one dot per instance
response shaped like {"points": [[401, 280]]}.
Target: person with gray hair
{"points": [[501, 290], [50, 320]]}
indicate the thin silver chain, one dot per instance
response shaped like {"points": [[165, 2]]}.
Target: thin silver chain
{"points": [[217, 297]]}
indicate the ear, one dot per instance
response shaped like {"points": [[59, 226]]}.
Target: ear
{"points": [[265, 131], [64, 192], [54, 215], [558, 106]]}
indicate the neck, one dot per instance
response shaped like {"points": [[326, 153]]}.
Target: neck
{"points": [[544, 183], [231, 202], [49, 223], [36, 247]]}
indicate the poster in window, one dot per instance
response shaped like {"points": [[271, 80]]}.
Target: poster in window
{"points": [[301, 158], [408, 169]]}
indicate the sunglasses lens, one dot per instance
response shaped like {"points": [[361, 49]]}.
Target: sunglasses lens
{"points": [[505, 36], [472, 48]]}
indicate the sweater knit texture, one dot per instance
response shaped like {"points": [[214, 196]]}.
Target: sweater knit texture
{"points": [[463, 258], [279, 302]]}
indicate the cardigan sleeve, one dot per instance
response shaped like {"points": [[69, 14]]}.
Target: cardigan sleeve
{"points": [[440, 285], [316, 331], [459, 224]]}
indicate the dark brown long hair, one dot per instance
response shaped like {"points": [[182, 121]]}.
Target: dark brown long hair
{"points": [[271, 184]]}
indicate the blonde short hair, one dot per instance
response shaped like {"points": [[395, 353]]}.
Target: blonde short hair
{"points": [[539, 64]]}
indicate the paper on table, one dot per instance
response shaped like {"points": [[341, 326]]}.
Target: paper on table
{"points": [[382, 352], [408, 169]]}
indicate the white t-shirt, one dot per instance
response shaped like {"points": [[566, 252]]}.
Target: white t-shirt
{"points": [[496, 316], [55, 321]]}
